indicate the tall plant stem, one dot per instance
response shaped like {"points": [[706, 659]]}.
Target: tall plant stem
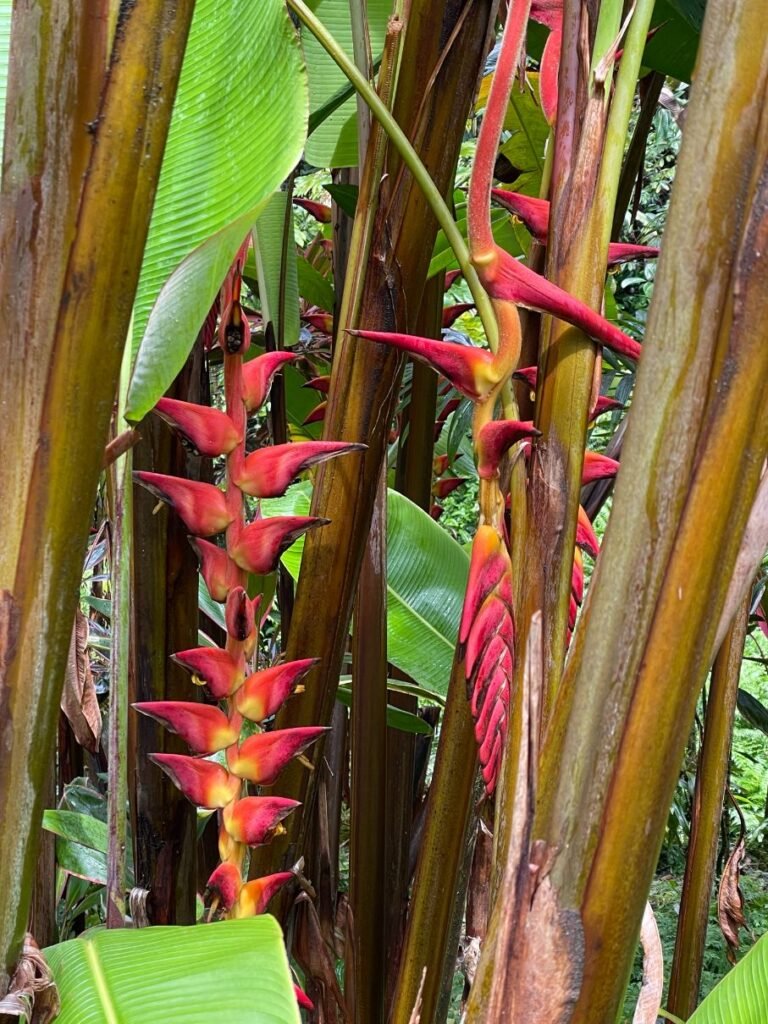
{"points": [[425, 953], [608, 715], [121, 563], [368, 728], [410, 158], [711, 779], [93, 313]]}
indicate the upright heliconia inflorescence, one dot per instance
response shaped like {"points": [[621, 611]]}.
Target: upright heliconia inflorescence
{"points": [[226, 753], [487, 629]]}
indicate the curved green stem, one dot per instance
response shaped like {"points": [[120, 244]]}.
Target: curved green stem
{"points": [[410, 158]]}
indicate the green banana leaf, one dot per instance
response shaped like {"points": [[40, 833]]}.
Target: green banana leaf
{"points": [[228, 972], [426, 578], [238, 127], [334, 142], [269, 244], [742, 996], [316, 289]]}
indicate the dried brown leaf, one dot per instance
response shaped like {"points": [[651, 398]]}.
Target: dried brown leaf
{"points": [[730, 900], [317, 961], [32, 995], [652, 987], [78, 699]]}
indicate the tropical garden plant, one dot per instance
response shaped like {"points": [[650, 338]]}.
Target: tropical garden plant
{"points": [[390, 271]]}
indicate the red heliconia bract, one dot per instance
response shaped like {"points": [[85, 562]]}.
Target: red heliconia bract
{"points": [[202, 507], [264, 692], [254, 820], [317, 415], [442, 488], [257, 376], [261, 543], [260, 758], [204, 728], [215, 668], [268, 472], [320, 320], [321, 384], [598, 467], [586, 538], [495, 439], [452, 313], [209, 431], [319, 211], [226, 671], [205, 783], [303, 999]]}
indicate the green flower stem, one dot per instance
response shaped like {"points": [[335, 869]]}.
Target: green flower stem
{"points": [[400, 141]]}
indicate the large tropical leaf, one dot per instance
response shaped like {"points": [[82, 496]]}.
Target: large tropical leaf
{"points": [[334, 143], [426, 577], [230, 971], [274, 251], [238, 127], [742, 996]]}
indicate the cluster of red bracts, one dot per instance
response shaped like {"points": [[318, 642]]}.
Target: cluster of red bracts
{"points": [[225, 759]]}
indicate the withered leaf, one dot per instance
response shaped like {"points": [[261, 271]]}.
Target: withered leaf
{"points": [[78, 699], [652, 987], [730, 900]]}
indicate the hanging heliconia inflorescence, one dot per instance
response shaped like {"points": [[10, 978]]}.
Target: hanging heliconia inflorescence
{"points": [[230, 675], [487, 628]]}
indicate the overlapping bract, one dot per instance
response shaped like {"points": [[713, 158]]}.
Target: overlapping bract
{"points": [[227, 674]]}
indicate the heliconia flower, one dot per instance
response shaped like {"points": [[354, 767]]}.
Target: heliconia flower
{"points": [[442, 488], [264, 692], [258, 375], [450, 278], [529, 375], [448, 407], [440, 464], [261, 543], [223, 887], [208, 431], [472, 371], [598, 467], [205, 783], [255, 895], [605, 404], [486, 639], [573, 611], [254, 820], [534, 213], [577, 577], [496, 438], [506, 278], [303, 999], [321, 384], [217, 568], [262, 757], [321, 321], [203, 727], [549, 13], [319, 211], [317, 415], [215, 668], [202, 507], [269, 472], [240, 614], [586, 538], [452, 313]]}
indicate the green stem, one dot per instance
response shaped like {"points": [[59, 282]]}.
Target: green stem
{"points": [[410, 158]]}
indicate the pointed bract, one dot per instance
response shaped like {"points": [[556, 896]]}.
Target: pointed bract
{"points": [[586, 537], [209, 431], [321, 384], [265, 692], [258, 375], [317, 415], [319, 211], [495, 439], [202, 507], [203, 727], [214, 668], [321, 321], [442, 488], [255, 895], [205, 783], [260, 545], [472, 371], [452, 313], [216, 567], [604, 404], [269, 472], [598, 467], [254, 820], [223, 886], [240, 614], [487, 565], [303, 999], [262, 757]]}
